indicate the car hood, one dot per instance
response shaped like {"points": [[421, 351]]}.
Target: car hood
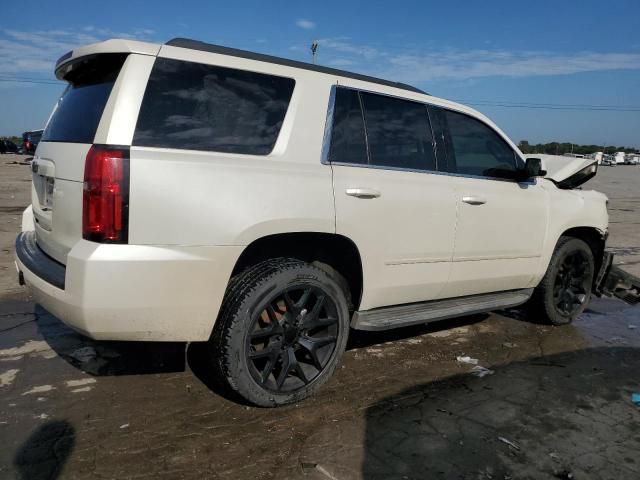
{"points": [[567, 172]]}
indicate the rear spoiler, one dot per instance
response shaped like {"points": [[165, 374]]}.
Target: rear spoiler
{"points": [[65, 62]]}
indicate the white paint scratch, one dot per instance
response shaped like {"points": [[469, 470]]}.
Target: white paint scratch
{"points": [[80, 382], [31, 347], [11, 359], [8, 377], [83, 389], [39, 389]]}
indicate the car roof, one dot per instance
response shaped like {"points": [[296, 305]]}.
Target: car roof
{"points": [[234, 52], [119, 45]]}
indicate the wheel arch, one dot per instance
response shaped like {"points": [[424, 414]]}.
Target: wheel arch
{"points": [[331, 252], [593, 237]]}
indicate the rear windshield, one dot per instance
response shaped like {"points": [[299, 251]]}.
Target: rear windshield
{"points": [[76, 116], [205, 107]]}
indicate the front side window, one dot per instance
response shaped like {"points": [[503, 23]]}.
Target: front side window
{"points": [[194, 106], [477, 149], [398, 133]]}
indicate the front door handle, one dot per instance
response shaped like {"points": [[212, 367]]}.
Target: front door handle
{"points": [[474, 200], [362, 192]]}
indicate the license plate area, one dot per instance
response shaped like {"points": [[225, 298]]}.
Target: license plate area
{"points": [[44, 187]]}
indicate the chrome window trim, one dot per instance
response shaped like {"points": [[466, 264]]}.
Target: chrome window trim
{"points": [[326, 145], [533, 181]]}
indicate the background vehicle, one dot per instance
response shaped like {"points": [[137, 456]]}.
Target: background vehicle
{"points": [[30, 140], [598, 156], [7, 146], [268, 207], [632, 159], [619, 158]]}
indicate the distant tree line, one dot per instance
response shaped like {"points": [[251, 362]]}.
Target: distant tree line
{"points": [[556, 148]]}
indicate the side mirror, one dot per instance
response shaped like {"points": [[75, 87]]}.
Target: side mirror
{"points": [[533, 168]]}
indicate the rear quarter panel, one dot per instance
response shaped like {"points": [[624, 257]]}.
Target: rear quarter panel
{"points": [[188, 197]]}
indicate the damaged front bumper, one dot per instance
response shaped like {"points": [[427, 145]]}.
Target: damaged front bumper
{"points": [[612, 281]]}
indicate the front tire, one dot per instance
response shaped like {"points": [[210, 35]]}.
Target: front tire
{"points": [[565, 290], [282, 329]]}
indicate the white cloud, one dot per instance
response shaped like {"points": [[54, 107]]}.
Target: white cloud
{"points": [[462, 65], [35, 52], [413, 65], [340, 62], [305, 24]]}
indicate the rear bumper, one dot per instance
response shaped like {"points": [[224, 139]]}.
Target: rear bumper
{"points": [[38, 262], [130, 292]]}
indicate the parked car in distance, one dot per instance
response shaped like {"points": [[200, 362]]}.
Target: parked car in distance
{"points": [[268, 207], [30, 141], [632, 159], [7, 146]]}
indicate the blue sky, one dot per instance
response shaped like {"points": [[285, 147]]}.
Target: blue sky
{"points": [[483, 53]]}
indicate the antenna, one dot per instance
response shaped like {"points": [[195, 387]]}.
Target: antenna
{"points": [[314, 49]]}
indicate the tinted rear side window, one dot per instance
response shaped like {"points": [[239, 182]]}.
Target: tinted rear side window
{"points": [[478, 149], [348, 144], [203, 107], [398, 133], [78, 112]]}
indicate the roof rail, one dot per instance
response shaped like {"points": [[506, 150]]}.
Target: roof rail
{"points": [[234, 52]]}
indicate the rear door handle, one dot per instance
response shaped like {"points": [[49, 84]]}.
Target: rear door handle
{"points": [[362, 192], [473, 200]]}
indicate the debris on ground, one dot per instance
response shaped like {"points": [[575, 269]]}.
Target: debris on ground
{"points": [[513, 445], [480, 371], [635, 399], [467, 360], [84, 354], [564, 474]]}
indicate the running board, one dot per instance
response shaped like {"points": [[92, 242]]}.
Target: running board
{"points": [[427, 312]]}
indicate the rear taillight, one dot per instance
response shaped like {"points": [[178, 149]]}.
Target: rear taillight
{"points": [[27, 145], [105, 199]]}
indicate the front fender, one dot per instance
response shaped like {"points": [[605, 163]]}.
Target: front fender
{"points": [[570, 210]]}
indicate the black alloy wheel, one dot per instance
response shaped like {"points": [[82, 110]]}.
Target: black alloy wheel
{"points": [[565, 290], [572, 285], [292, 338], [281, 331]]}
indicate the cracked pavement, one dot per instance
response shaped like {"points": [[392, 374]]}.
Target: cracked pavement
{"points": [[555, 404]]}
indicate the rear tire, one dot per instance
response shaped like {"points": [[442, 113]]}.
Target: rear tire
{"points": [[565, 290], [281, 331]]}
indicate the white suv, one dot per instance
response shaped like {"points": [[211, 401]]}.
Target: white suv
{"points": [[191, 192]]}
